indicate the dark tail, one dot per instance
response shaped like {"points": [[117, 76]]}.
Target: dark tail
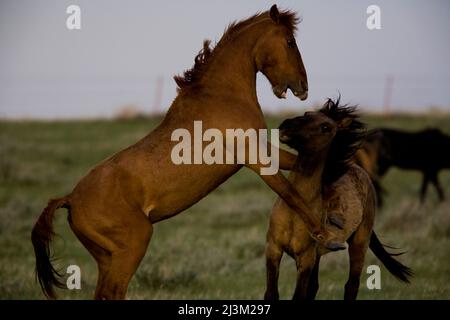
{"points": [[398, 270], [41, 237]]}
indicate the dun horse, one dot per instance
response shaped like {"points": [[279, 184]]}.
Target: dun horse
{"points": [[113, 209], [331, 185]]}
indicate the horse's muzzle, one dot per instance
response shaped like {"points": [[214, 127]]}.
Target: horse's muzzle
{"points": [[280, 91], [299, 89]]}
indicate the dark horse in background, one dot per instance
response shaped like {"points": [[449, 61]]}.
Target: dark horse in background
{"points": [[427, 151]]}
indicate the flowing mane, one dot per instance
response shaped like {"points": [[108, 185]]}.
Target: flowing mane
{"points": [[191, 77], [346, 142]]}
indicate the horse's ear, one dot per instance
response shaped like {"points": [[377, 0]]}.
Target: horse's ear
{"points": [[344, 123], [274, 14]]}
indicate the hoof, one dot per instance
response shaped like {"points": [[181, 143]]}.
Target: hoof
{"points": [[334, 245]]}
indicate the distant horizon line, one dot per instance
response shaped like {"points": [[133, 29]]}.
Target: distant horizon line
{"points": [[140, 113]]}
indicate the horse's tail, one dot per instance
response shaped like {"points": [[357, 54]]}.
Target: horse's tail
{"points": [[397, 269], [41, 237]]}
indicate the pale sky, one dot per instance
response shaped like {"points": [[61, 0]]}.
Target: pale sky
{"points": [[48, 71]]}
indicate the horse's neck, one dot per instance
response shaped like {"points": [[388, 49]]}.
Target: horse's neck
{"points": [[306, 177], [233, 68]]}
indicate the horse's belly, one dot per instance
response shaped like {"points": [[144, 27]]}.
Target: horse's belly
{"points": [[184, 187]]}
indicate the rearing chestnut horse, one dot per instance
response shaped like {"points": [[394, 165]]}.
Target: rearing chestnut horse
{"points": [[112, 210]]}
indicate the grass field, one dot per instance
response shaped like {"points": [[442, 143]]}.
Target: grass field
{"points": [[214, 250]]}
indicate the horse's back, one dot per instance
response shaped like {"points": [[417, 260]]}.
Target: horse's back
{"points": [[146, 177], [414, 150]]}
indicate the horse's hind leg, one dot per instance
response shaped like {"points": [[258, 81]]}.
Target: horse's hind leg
{"points": [[124, 261], [118, 246], [101, 256], [437, 186], [357, 249]]}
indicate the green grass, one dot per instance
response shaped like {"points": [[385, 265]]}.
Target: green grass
{"points": [[214, 250]]}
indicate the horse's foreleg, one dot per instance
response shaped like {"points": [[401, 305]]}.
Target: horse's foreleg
{"points": [[281, 185], [287, 159], [273, 257], [424, 186], [305, 265], [313, 284]]}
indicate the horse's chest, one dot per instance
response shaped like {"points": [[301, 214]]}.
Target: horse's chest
{"points": [[296, 236]]}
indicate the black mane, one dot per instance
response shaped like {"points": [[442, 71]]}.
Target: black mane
{"points": [[346, 142]]}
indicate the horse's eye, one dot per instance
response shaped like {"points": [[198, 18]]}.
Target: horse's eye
{"points": [[291, 43], [325, 128]]}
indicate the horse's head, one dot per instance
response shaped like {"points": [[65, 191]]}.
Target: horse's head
{"points": [[333, 129], [278, 57], [312, 132], [317, 130]]}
